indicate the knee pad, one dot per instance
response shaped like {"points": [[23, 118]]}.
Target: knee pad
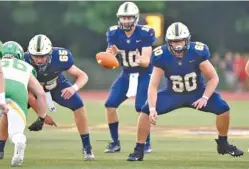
{"points": [[18, 138]]}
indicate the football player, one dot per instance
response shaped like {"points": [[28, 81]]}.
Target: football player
{"points": [[183, 62], [50, 63], [132, 45], [18, 77]]}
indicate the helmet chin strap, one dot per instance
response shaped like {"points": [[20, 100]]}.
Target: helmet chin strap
{"points": [[127, 29]]}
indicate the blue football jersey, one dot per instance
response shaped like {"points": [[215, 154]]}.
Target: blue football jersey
{"points": [[143, 36], [62, 60], [183, 74]]}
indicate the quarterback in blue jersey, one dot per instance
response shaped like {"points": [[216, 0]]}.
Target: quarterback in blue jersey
{"points": [[132, 44], [51, 63], [183, 62]]}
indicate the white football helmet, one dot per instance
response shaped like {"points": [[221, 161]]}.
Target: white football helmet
{"points": [[128, 16], [177, 32], [40, 46]]}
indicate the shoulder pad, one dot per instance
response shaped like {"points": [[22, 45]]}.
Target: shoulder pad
{"points": [[27, 54], [27, 57], [148, 35], [63, 57], [157, 57], [112, 30], [56, 49], [202, 50], [59, 51], [160, 50], [146, 30]]}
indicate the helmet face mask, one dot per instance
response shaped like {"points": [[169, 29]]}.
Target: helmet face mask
{"points": [[178, 46], [126, 22], [40, 49], [178, 38], [41, 62], [128, 16]]}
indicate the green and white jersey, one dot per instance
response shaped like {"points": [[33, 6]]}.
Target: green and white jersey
{"points": [[17, 74]]}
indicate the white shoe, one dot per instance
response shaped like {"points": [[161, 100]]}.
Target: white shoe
{"points": [[18, 154], [88, 155]]}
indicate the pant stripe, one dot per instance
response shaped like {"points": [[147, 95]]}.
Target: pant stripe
{"points": [[18, 110]]}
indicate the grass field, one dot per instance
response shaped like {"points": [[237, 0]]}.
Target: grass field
{"points": [[174, 141]]}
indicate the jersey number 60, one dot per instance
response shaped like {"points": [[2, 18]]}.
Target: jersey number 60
{"points": [[179, 83]]}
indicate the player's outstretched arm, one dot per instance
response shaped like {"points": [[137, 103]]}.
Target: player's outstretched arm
{"points": [[210, 73], [32, 101], [155, 79], [247, 68], [35, 88], [39, 105]]}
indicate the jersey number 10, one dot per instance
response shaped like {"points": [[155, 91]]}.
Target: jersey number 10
{"points": [[129, 59]]}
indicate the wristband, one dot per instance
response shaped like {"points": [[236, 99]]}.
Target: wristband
{"points": [[152, 109], [118, 55], [44, 116], [2, 98], [42, 119], [76, 88], [205, 97]]}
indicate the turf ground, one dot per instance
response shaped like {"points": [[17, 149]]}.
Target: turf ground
{"points": [[183, 139]]}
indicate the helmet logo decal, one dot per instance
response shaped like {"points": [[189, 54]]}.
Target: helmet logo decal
{"points": [[177, 29], [126, 7], [38, 44]]}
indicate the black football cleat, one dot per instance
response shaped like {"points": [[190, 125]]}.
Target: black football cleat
{"points": [[113, 147], [137, 155], [226, 148], [147, 148]]}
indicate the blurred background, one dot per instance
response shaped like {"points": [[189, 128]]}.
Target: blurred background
{"points": [[81, 27]]}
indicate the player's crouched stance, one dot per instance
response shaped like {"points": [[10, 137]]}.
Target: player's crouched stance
{"points": [[51, 63], [18, 78], [182, 62]]}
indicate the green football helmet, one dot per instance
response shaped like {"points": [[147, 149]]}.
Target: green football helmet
{"points": [[12, 48]]}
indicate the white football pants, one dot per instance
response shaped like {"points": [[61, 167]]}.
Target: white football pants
{"points": [[16, 123]]}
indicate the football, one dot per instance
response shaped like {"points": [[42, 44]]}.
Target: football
{"points": [[107, 60]]}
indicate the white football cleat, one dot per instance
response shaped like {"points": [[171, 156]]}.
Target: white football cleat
{"points": [[18, 154], [88, 155]]}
